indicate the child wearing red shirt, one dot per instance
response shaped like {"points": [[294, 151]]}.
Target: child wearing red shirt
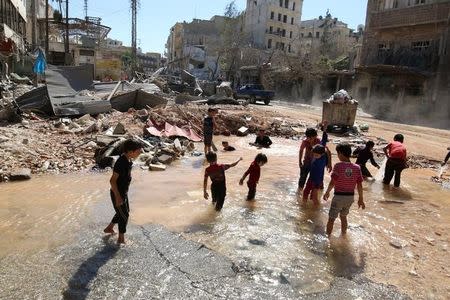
{"points": [[255, 172], [344, 178], [396, 163], [216, 172]]}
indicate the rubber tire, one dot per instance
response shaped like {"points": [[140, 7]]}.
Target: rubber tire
{"points": [[266, 101], [252, 100]]}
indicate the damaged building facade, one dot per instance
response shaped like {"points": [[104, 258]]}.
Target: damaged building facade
{"points": [[13, 20], [195, 47], [274, 24], [404, 71]]}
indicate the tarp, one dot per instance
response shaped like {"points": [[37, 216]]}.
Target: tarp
{"points": [[168, 130]]}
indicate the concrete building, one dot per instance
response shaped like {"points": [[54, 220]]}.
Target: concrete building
{"points": [[195, 46], [39, 12], [326, 36], [273, 24], [13, 19], [405, 61], [149, 62]]}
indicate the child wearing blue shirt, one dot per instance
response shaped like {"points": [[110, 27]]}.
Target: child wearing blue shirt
{"points": [[321, 159]]}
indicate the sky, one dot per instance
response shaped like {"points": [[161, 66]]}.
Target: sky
{"points": [[155, 18]]}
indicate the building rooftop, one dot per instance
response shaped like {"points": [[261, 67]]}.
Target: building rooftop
{"points": [[318, 23]]}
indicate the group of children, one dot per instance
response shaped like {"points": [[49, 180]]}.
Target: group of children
{"points": [[314, 158]]}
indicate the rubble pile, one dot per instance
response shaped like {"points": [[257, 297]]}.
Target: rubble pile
{"points": [[422, 162]]}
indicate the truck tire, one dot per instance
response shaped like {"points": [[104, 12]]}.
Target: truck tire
{"points": [[266, 101], [252, 100]]}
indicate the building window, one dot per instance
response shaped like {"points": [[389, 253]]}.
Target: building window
{"points": [[289, 48], [269, 44], [317, 34], [290, 34], [284, 33], [286, 3], [284, 19], [281, 3], [282, 46], [292, 21], [302, 35], [310, 34], [416, 2], [293, 6], [272, 15], [271, 29], [420, 46], [279, 17], [390, 4]]}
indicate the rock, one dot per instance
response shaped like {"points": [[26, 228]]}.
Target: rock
{"points": [[91, 144], [154, 167], [94, 127], [20, 174], [85, 120], [120, 129], [25, 141], [74, 125], [177, 144], [145, 168], [4, 139], [142, 113], [396, 243], [25, 123], [45, 166], [413, 273], [165, 159]]}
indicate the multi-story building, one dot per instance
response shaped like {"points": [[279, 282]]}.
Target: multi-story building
{"points": [[149, 62], [326, 36], [34, 14], [194, 46], [405, 62], [12, 32], [273, 24]]}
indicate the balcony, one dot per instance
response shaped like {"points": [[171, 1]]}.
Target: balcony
{"points": [[410, 16], [423, 60]]}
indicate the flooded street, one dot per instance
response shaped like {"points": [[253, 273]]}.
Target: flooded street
{"points": [[275, 245]]}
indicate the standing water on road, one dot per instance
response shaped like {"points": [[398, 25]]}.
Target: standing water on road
{"points": [[273, 239]]}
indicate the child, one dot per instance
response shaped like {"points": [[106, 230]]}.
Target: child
{"points": [[120, 182], [306, 148], [262, 140], [344, 178], [217, 174], [396, 163], [209, 123], [255, 171], [315, 181], [227, 147], [364, 155]]}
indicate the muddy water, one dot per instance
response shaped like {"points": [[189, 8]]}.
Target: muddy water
{"points": [[274, 238]]}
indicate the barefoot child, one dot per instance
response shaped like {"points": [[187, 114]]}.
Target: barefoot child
{"points": [[306, 148], [365, 155], [216, 172], [120, 182], [254, 171], [209, 123], [315, 181], [344, 178], [396, 163]]}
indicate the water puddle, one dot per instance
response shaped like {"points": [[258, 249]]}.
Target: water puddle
{"points": [[273, 238]]}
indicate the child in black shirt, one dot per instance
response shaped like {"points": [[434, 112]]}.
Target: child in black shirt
{"points": [[120, 182]]}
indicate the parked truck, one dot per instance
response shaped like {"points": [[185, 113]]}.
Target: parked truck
{"points": [[254, 92]]}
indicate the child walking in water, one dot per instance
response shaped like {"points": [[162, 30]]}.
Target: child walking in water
{"points": [[255, 172], [396, 163], [120, 183], [344, 178], [365, 155], [216, 172], [209, 124], [315, 182], [305, 154]]}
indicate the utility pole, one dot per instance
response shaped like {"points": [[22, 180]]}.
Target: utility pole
{"points": [[133, 35], [86, 9], [33, 23], [46, 29], [66, 44]]}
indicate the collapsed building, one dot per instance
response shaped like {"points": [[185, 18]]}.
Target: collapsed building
{"points": [[404, 71]]}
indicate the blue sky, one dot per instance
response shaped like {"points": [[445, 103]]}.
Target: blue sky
{"points": [[155, 18]]}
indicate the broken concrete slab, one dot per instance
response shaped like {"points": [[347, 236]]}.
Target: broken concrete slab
{"points": [[137, 99], [165, 159], [243, 131], [20, 174], [154, 167]]}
